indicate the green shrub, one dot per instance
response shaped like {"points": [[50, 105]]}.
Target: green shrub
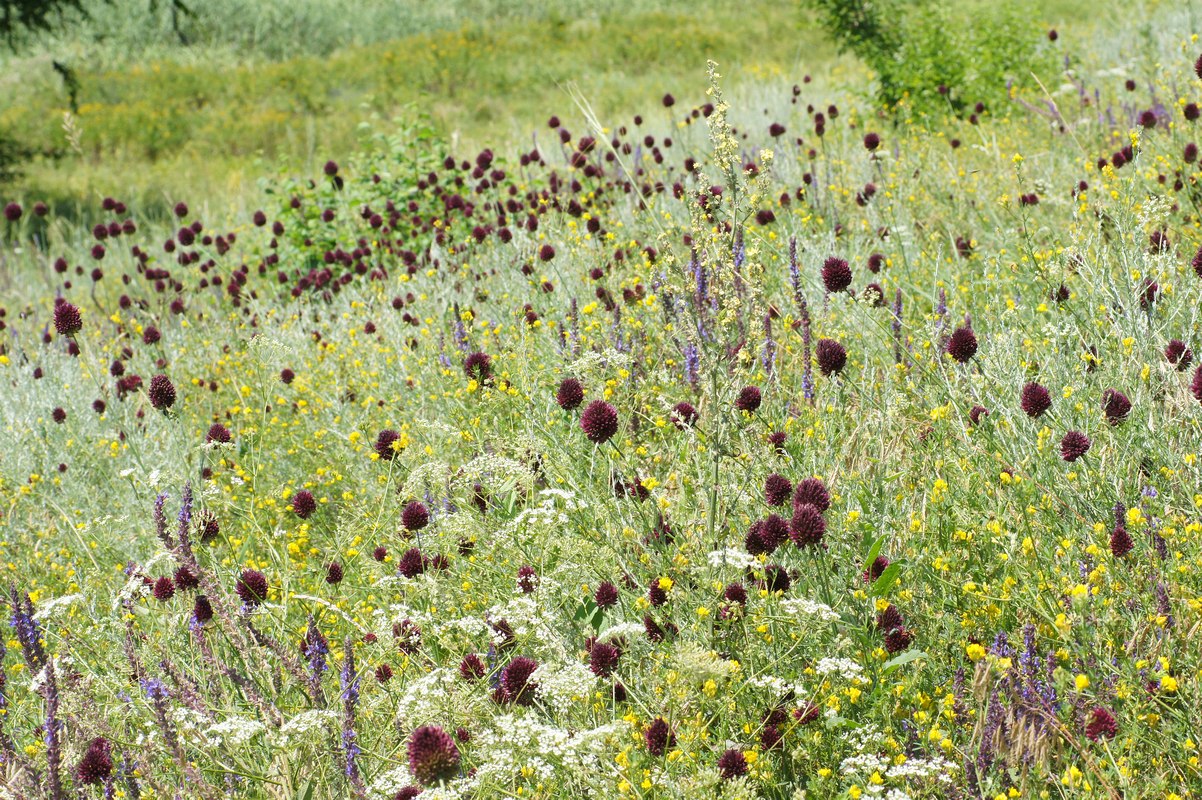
{"points": [[934, 56]]}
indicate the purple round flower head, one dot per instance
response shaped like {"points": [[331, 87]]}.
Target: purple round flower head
{"points": [[656, 595], [412, 563], [546, 253], [776, 578], [603, 659], [408, 793], [749, 399], [210, 528], [185, 579], [871, 142], [777, 439], [1120, 542], [1178, 354], [670, 101], [976, 412], [415, 516], [732, 764], [287, 376], [1101, 725], [164, 589], [333, 573], [1074, 445], [252, 587], [684, 415], [659, 737], [67, 320], [777, 489], [962, 345], [1198, 67], [898, 640], [807, 526], [472, 668], [889, 619], [756, 542], [516, 686], [606, 595], [1195, 386], [202, 610], [599, 421], [836, 275], [875, 569], [812, 491], [1115, 405], [478, 367], [527, 579], [12, 212], [831, 356], [218, 433], [304, 504], [433, 755], [161, 392], [96, 764], [570, 394], [384, 444], [1035, 400]]}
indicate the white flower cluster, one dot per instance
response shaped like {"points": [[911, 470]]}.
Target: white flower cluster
{"points": [[304, 724], [622, 630], [732, 558], [779, 686], [845, 667], [521, 741], [527, 618], [49, 609], [390, 783], [425, 697], [921, 768], [864, 763], [234, 732], [801, 607], [561, 686]]}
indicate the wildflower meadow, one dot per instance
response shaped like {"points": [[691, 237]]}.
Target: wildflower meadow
{"points": [[832, 434]]}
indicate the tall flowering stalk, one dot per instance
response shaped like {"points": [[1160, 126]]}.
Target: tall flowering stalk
{"points": [[28, 631], [51, 731], [803, 315], [349, 681]]}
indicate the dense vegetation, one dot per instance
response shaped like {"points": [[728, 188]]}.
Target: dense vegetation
{"points": [[787, 439]]}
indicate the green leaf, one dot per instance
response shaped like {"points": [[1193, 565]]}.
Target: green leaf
{"points": [[886, 581], [305, 791], [902, 659], [874, 551]]}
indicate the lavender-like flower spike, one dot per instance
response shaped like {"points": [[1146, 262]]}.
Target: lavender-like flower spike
{"points": [[795, 278], [769, 357], [29, 633], [315, 648], [185, 521], [132, 789], [692, 364], [51, 730], [349, 681], [160, 522]]}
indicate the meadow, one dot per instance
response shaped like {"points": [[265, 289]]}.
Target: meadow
{"points": [[730, 436]]}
